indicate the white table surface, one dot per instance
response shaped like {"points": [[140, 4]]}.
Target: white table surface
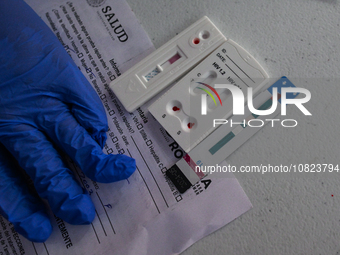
{"points": [[293, 213]]}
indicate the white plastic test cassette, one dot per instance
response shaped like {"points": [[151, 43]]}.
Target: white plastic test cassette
{"points": [[167, 64], [179, 110], [206, 156]]}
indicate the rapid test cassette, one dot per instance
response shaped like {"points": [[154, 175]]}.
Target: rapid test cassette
{"points": [[187, 111], [167, 64], [205, 157]]}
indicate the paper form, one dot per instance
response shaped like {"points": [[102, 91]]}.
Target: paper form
{"points": [[144, 214]]}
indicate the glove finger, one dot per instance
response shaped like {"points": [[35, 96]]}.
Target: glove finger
{"points": [[86, 106], [52, 179], [93, 121], [78, 144], [18, 205]]}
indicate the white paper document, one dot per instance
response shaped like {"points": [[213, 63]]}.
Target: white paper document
{"points": [[144, 214]]}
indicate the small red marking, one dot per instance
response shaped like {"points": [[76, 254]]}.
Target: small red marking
{"points": [[193, 165], [332, 195], [175, 109], [196, 41], [278, 96], [190, 125]]}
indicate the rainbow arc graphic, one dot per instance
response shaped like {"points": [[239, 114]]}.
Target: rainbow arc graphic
{"points": [[209, 93]]}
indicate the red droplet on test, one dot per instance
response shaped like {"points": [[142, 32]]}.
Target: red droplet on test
{"points": [[196, 41], [175, 109], [190, 125]]}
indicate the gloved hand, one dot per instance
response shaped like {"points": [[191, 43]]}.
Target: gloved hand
{"points": [[46, 104]]}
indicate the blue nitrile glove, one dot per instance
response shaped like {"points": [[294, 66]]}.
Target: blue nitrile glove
{"points": [[46, 104]]}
